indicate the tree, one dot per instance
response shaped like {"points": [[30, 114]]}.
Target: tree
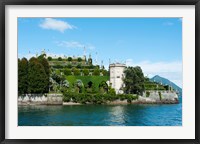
{"points": [[22, 76], [59, 59], [134, 80], [49, 58], [56, 76], [37, 82], [69, 59], [46, 66], [79, 59], [96, 72], [85, 72]]}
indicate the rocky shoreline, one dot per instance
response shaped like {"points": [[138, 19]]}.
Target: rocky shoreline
{"points": [[57, 99]]}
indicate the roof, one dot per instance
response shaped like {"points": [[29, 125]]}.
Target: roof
{"points": [[117, 65]]}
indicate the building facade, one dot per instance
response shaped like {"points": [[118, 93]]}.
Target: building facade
{"points": [[116, 76]]}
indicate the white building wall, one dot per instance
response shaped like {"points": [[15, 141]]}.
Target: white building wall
{"points": [[116, 75]]}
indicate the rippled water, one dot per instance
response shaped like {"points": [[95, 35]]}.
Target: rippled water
{"points": [[101, 115]]}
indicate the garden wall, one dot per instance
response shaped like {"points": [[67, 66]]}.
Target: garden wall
{"points": [[40, 99]]}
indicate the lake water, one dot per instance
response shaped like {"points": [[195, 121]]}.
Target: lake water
{"points": [[101, 115]]}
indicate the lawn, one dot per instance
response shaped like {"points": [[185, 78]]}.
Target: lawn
{"points": [[85, 79]]}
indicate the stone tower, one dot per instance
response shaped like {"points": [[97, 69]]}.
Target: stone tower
{"points": [[116, 76]]}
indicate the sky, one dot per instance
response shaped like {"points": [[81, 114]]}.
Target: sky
{"points": [[154, 44]]}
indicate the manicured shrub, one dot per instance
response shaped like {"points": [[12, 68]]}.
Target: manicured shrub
{"points": [[79, 59], [59, 59], [67, 71], [85, 72], [49, 58]]}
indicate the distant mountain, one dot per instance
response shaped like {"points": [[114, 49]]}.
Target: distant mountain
{"points": [[165, 81]]}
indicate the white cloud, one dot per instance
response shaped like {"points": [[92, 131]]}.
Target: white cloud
{"points": [[169, 70], [53, 24], [74, 44]]}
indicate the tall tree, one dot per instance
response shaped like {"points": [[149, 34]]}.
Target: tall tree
{"points": [[22, 76], [37, 82], [46, 66], [134, 80]]}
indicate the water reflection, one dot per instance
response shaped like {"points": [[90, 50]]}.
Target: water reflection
{"points": [[101, 115], [116, 115]]}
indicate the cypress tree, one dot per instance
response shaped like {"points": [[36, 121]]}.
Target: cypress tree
{"points": [[46, 66], [22, 76], [37, 77]]}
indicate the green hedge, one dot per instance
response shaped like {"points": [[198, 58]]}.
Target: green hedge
{"points": [[96, 98]]}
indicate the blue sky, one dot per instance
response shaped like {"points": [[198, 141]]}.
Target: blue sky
{"points": [[155, 44]]}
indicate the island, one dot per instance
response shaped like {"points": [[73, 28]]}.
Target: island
{"points": [[46, 80]]}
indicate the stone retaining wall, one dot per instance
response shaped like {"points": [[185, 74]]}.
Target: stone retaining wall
{"points": [[57, 99], [40, 99], [154, 97]]}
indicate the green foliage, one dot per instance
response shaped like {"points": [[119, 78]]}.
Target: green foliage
{"points": [[76, 71], [58, 66], [134, 80], [37, 77], [105, 72], [85, 72], [59, 59], [96, 72], [153, 86], [91, 66], [160, 96], [67, 71], [147, 94], [79, 59], [57, 71], [22, 76], [49, 58], [96, 80], [96, 98], [41, 56], [69, 59], [79, 66], [33, 75], [112, 91], [69, 66], [103, 87], [46, 66]]}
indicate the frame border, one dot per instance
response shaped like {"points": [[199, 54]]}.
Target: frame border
{"points": [[3, 4]]}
